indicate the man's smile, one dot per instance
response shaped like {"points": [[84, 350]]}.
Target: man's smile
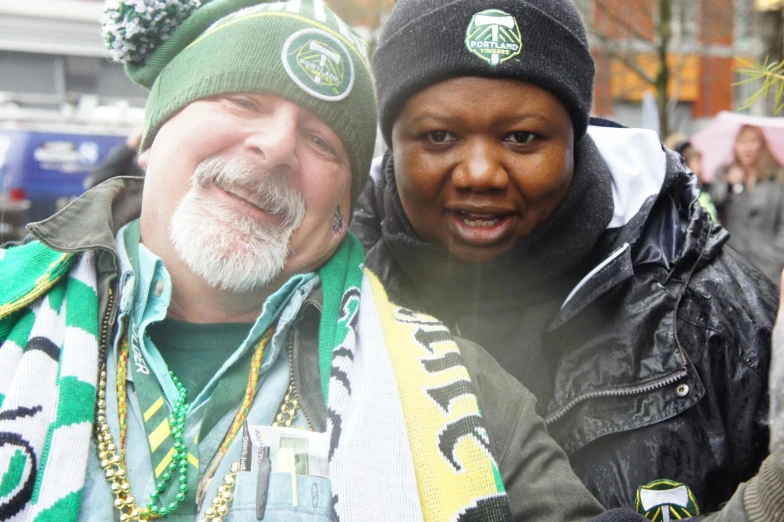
{"points": [[248, 202]]}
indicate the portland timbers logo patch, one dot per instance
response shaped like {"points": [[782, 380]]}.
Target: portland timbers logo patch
{"points": [[319, 64], [666, 500], [494, 36]]}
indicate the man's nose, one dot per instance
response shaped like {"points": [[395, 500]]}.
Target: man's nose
{"points": [[274, 139], [480, 169]]}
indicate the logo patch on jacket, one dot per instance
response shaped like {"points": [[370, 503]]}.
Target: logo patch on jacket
{"points": [[665, 500], [494, 36]]}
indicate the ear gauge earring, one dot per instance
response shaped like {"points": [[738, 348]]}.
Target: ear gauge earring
{"points": [[338, 224]]}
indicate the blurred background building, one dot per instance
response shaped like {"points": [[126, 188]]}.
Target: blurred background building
{"points": [[54, 68], [673, 64]]}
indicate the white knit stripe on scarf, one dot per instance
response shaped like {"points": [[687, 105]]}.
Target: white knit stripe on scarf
{"points": [[339, 389], [10, 356], [61, 477], [374, 446], [85, 368]]}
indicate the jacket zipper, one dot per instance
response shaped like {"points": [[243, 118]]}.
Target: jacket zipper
{"points": [[105, 326], [621, 392], [292, 381]]}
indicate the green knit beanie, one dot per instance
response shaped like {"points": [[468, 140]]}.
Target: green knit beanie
{"points": [[185, 50]]}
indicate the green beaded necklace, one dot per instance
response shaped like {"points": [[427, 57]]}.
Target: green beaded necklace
{"points": [[179, 462], [180, 457]]}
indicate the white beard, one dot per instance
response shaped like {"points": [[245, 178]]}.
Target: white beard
{"points": [[231, 250]]}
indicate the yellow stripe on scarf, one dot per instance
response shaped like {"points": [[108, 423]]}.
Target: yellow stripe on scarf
{"points": [[454, 469], [43, 284]]}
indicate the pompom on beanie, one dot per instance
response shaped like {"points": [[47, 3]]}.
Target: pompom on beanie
{"points": [[185, 50]]}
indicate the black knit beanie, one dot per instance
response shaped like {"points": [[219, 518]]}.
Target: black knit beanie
{"points": [[542, 42]]}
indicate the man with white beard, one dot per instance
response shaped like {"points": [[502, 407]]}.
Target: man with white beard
{"points": [[205, 343]]}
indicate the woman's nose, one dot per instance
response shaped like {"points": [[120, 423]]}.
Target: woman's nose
{"points": [[480, 170]]}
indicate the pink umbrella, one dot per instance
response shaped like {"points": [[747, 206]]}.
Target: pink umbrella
{"points": [[717, 140]]}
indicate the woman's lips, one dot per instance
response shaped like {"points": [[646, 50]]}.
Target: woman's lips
{"points": [[480, 228]]}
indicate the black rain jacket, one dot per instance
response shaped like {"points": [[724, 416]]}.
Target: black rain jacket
{"points": [[659, 357]]}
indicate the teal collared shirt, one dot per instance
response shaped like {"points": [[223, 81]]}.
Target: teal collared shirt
{"points": [[146, 295], [282, 306]]}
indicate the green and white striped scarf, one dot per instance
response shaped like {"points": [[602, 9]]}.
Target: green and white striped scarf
{"points": [[48, 372]]}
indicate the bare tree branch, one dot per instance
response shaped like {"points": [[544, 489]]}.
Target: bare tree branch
{"points": [[614, 49], [618, 21]]}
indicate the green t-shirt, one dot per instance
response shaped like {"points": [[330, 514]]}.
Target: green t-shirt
{"points": [[195, 352]]}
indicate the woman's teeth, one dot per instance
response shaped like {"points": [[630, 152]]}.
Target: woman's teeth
{"points": [[473, 220]]}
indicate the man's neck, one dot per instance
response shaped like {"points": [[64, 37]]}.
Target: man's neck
{"points": [[201, 303], [195, 301]]}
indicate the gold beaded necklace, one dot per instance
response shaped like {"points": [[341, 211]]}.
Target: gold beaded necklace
{"points": [[113, 463]]}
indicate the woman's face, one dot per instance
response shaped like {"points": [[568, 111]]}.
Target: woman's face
{"points": [[481, 162], [748, 145]]}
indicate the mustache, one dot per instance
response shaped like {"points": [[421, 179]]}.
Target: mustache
{"points": [[266, 189]]}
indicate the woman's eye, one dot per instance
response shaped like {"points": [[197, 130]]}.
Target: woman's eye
{"points": [[439, 136], [522, 137]]}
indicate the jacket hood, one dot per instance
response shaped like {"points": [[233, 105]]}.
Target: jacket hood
{"points": [[657, 218]]}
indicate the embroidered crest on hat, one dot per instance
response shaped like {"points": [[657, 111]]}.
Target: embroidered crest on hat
{"points": [[665, 500], [319, 64], [494, 36]]}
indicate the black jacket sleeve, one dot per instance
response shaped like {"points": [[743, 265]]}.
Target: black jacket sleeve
{"points": [[725, 323]]}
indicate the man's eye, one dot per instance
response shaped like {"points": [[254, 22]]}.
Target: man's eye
{"points": [[439, 136], [322, 144], [242, 103], [522, 137]]}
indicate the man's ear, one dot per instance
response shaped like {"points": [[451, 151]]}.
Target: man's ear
{"points": [[144, 158]]}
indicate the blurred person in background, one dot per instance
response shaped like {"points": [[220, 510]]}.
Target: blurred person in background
{"points": [[575, 254], [749, 195], [680, 143], [122, 161]]}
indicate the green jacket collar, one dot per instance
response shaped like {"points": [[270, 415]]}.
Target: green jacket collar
{"points": [[93, 220]]}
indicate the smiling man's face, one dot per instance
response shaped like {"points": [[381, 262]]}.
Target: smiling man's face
{"points": [[244, 188]]}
